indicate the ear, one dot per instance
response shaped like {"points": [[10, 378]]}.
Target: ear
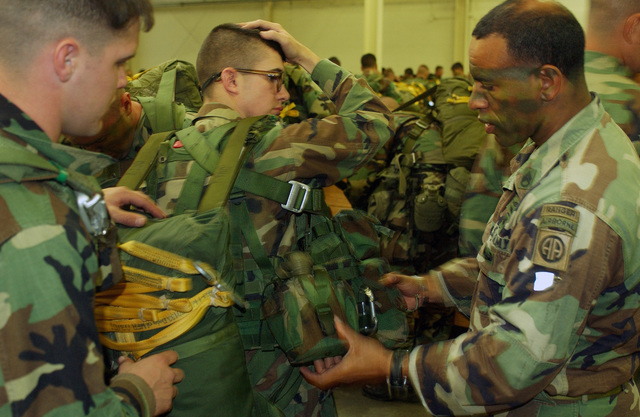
{"points": [[631, 29], [125, 103], [229, 79], [65, 58], [551, 82]]}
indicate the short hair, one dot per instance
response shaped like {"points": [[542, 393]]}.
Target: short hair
{"points": [[457, 66], [335, 60], [229, 45], [27, 24], [368, 61], [604, 15], [537, 33]]}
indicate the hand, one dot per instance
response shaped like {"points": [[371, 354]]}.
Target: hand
{"points": [[118, 197], [158, 374], [295, 52], [322, 365], [408, 286], [366, 361]]}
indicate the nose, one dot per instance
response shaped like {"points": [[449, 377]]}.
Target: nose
{"points": [[282, 94], [477, 101]]}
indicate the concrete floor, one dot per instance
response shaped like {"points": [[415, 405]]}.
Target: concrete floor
{"points": [[351, 403]]}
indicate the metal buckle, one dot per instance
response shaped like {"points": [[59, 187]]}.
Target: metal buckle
{"points": [[93, 212], [293, 196]]}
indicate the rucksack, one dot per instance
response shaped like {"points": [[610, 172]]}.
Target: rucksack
{"points": [[408, 197], [167, 93], [179, 290], [417, 186], [462, 133]]}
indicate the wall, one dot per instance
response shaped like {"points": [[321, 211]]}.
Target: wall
{"points": [[414, 31]]}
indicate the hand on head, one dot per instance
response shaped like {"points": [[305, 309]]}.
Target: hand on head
{"points": [[295, 52]]}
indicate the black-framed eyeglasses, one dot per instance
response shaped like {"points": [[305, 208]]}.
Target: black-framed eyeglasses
{"points": [[275, 76]]}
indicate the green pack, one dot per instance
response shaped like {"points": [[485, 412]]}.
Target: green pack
{"points": [[409, 196], [179, 287], [462, 132], [167, 92]]}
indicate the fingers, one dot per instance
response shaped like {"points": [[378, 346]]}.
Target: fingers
{"points": [[118, 197], [316, 379]]}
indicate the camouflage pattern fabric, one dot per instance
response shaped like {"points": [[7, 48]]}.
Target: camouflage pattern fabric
{"points": [[51, 358], [382, 86], [319, 152], [555, 287], [308, 99], [620, 95], [484, 188]]}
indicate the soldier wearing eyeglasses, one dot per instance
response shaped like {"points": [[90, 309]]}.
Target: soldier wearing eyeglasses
{"points": [[241, 72]]}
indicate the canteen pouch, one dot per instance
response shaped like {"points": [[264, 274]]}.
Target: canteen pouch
{"points": [[299, 306], [429, 205]]}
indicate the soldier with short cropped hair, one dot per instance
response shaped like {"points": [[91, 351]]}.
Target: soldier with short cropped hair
{"points": [[54, 245], [554, 293]]}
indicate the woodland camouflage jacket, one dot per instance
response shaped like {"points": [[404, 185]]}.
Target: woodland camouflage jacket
{"points": [[556, 287], [51, 361]]}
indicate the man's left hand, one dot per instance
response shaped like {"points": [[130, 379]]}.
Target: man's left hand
{"points": [[118, 197]]}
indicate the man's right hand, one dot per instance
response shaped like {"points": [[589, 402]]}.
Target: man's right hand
{"points": [[158, 374]]}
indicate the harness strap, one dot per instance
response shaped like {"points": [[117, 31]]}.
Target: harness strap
{"points": [[144, 161], [292, 195]]}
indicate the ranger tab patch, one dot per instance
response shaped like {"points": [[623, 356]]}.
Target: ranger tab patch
{"points": [[557, 226]]}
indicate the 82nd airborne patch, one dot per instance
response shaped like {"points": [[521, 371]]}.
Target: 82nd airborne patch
{"points": [[556, 228]]}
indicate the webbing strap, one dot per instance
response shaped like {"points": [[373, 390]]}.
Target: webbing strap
{"points": [[239, 214], [110, 319], [233, 155], [140, 348], [281, 191], [144, 161], [160, 109]]}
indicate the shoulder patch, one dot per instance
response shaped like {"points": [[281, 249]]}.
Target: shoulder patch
{"points": [[559, 217], [552, 249]]}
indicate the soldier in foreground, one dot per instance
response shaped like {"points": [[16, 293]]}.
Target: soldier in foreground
{"points": [[553, 294], [51, 357]]}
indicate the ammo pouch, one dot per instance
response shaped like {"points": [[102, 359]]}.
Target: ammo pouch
{"points": [[429, 205], [299, 307]]}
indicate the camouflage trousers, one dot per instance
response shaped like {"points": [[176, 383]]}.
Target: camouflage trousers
{"points": [[623, 404], [274, 379]]}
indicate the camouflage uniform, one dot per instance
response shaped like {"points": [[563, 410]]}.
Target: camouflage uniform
{"points": [[51, 358], [554, 313], [490, 170], [381, 85], [620, 95], [319, 152], [308, 99]]}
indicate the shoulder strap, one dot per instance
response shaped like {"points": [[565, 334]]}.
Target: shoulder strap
{"points": [[231, 160], [160, 109], [144, 161]]}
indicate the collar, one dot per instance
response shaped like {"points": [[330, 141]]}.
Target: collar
{"points": [[597, 62], [534, 162], [24, 130], [213, 115]]}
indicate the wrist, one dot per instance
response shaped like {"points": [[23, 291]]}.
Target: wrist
{"points": [[397, 381], [421, 295]]}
